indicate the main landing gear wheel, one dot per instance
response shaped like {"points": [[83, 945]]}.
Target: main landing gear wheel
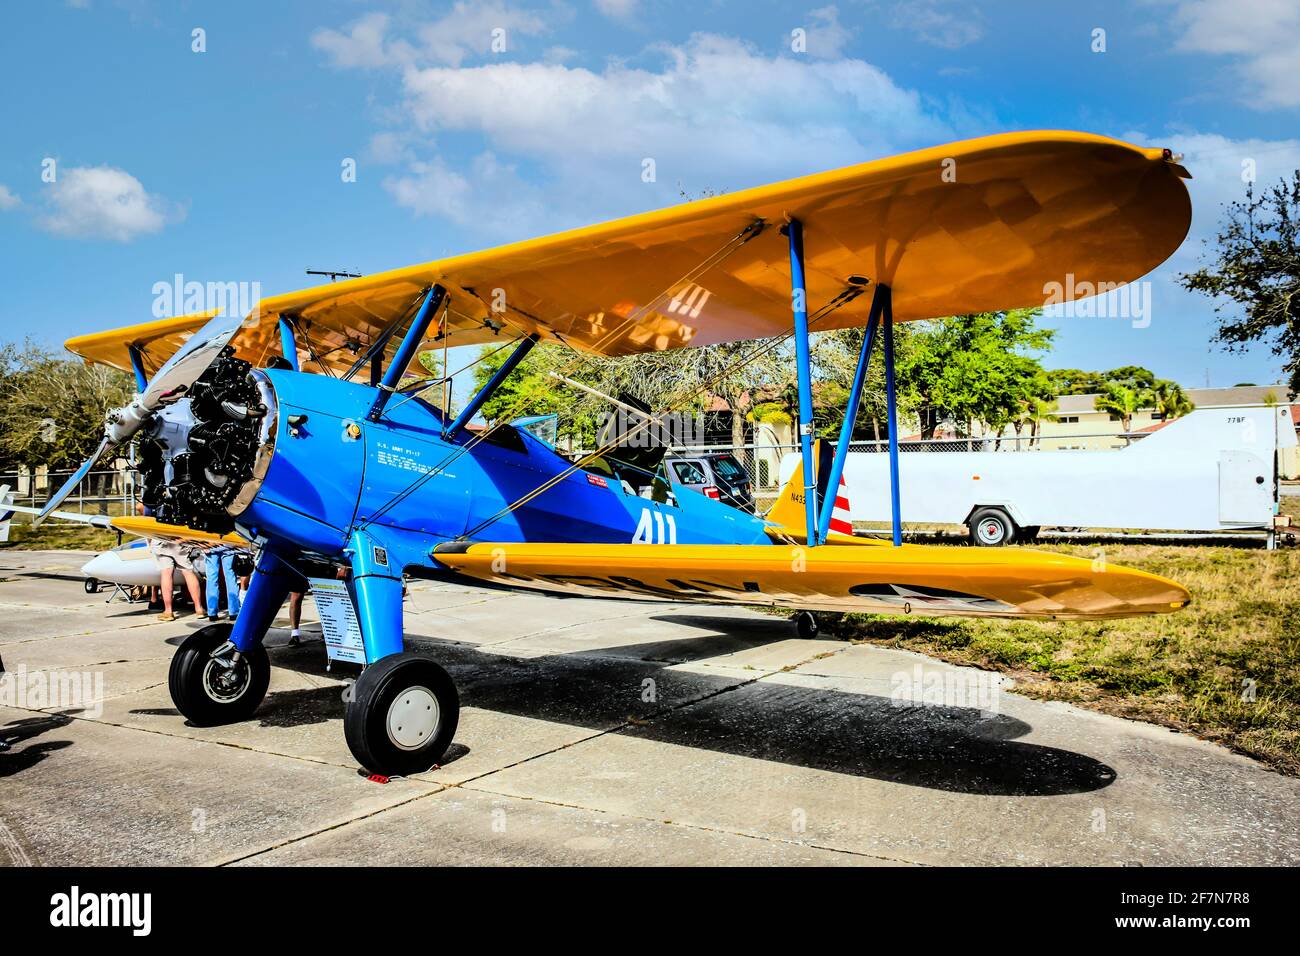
{"points": [[402, 716], [991, 527], [805, 625], [209, 691]]}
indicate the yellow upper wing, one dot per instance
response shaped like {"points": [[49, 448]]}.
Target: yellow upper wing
{"points": [[978, 225], [157, 342]]}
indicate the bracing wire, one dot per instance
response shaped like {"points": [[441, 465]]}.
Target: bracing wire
{"points": [[749, 232], [700, 390]]}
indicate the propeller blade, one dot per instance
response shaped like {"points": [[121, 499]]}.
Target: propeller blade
{"points": [[70, 485], [173, 380], [177, 375], [191, 360]]}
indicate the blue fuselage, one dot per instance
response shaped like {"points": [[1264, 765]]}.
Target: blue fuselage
{"points": [[333, 473]]}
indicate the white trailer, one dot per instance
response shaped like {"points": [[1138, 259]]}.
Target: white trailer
{"points": [[1212, 470]]}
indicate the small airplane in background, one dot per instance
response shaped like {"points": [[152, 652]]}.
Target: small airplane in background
{"points": [[128, 565], [294, 428]]}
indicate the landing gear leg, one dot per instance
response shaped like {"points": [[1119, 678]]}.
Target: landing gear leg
{"points": [[404, 708]]}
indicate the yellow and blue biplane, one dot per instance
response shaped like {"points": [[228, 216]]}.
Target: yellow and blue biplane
{"points": [[296, 427]]}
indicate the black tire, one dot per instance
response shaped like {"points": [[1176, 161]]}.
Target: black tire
{"points": [[207, 694], [1028, 534], [401, 684], [805, 624], [92, 586], [991, 528]]}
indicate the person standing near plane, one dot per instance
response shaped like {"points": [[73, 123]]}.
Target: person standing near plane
{"points": [[172, 557], [295, 618], [219, 568]]}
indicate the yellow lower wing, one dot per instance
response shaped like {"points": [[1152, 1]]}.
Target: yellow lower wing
{"points": [[151, 528], [926, 580]]}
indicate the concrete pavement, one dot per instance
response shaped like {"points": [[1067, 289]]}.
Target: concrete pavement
{"points": [[607, 732]]}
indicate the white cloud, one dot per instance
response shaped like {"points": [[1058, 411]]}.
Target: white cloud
{"points": [[7, 199], [827, 37], [716, 106], [102, 202], [1217, 165], [617, 9], [559, 144], [389, 147], [468, 29], [1264, 36], [939, 23], [489, 196], [361, 46], [715, 115]]}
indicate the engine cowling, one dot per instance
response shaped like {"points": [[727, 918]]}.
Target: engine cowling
{"points": [[203, 456]]}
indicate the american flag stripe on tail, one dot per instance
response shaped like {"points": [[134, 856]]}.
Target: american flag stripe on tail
{"points": [[841, 519]]}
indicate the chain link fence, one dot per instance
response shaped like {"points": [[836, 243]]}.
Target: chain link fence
{"points": [[107, 492]]}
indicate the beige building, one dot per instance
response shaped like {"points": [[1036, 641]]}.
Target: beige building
{"points": [[1077, 423]]}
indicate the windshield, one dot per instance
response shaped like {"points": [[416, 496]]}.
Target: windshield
{"points": [[688, 473], [727, 468]]}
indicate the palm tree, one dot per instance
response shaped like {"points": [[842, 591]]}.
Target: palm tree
{"points": [[1036, 411], [1123, 401], [1170, 399]]}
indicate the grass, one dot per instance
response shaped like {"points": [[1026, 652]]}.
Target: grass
{"points": [[57, 536], [1227, 668]]}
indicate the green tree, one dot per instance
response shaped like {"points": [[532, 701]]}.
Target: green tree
{"points": [[1123, 401], [1135, 377], [1073, 381], [1170, 399], [677, 380], [1038, 404], [1257, 269], [54, 407], [835, 359], [531, 390], [973, 368]]}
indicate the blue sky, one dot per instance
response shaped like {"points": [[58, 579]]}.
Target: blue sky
{"points": [[225, 165]]}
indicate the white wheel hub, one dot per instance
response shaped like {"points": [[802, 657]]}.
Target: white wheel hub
{"points": [[413, 717], [223, 684]]}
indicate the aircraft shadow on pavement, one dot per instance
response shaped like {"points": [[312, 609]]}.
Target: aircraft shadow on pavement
{"points": [[954, 749], [21, 754]]}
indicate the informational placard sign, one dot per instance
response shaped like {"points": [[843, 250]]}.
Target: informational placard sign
{"points": [[338, 621]]}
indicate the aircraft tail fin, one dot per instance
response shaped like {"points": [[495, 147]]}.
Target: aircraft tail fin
{"points": [[788, 511]]}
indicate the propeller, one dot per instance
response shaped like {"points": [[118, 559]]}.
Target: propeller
{"points": [[177, 375]]}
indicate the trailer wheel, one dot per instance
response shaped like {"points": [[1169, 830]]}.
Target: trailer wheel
{"points": [[806, 625], [991, 528]]}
